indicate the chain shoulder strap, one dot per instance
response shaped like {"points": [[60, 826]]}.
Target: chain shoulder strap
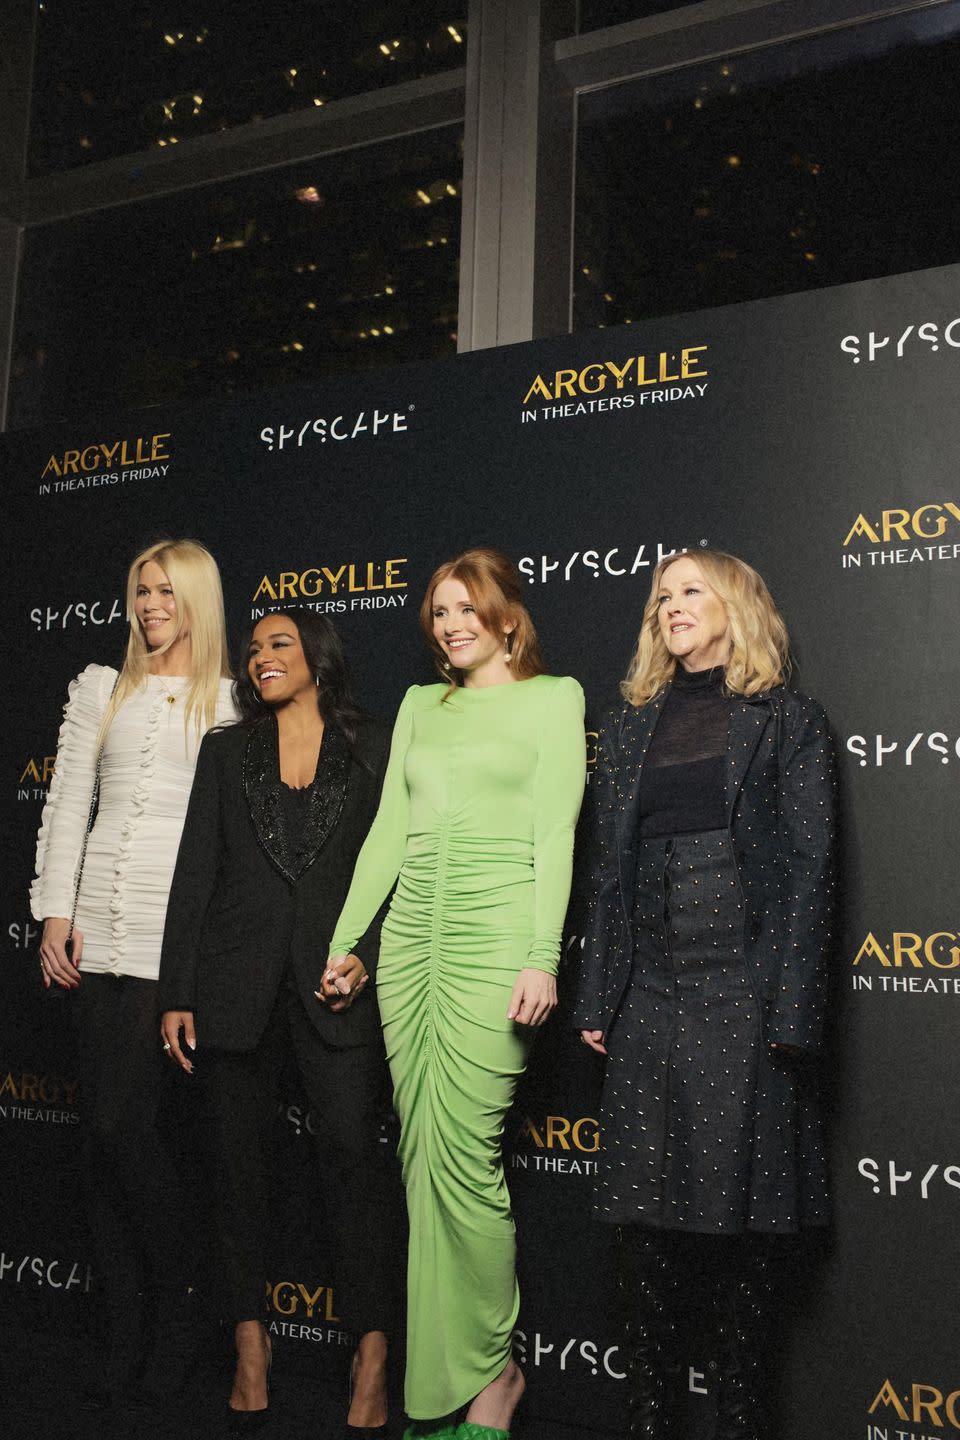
{"points": [[91, 817]]}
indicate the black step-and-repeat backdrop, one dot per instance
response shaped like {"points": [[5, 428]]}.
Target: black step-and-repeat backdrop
{"points": [[818, 436]]}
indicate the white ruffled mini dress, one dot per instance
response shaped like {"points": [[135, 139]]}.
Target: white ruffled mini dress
{"points": [[148, 765]]}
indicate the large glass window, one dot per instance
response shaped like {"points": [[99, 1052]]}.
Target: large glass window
{"points": [[113, 77], [349, 262], [597, 14], [787, 168]]}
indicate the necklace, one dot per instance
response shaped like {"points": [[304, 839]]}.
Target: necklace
{"points": [[171, 699]]}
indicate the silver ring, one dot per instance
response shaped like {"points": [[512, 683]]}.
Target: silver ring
{"points": [[167, 1047]]}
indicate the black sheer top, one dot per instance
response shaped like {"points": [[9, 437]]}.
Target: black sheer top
{"points": [[682, 786], [293, 807]]}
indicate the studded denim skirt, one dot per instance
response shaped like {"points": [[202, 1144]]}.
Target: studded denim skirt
{"points": [[703, 1127]]}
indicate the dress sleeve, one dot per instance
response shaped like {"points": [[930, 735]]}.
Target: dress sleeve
{"points": [[557, 793], [63, 823], [381, 855]]}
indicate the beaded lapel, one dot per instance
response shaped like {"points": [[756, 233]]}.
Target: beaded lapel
{"points": [[261, 785]]}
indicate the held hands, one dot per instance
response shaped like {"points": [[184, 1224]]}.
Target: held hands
{"points": [[534, 996], [343, 979], [171, 1023], [594, 1038], [57, 962]]}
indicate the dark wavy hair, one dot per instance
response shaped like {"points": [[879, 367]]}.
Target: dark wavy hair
{"points": [[323, 651]]}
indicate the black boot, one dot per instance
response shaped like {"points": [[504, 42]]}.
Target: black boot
{"points": [[650, 1281], [744, 1315]]}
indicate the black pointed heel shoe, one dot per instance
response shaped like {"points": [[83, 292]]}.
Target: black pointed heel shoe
{"points": [[247, 1422]]}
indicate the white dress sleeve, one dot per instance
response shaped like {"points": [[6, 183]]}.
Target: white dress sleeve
{"points": [[67, 808]]}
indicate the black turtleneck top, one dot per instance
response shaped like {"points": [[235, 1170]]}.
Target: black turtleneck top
{"points": [[682, 785]]}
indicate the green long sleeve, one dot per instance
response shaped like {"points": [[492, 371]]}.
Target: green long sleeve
{"points": [[381, 855]]}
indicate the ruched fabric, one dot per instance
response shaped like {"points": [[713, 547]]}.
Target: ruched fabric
{"points": [[476, 826], [147, 771]]}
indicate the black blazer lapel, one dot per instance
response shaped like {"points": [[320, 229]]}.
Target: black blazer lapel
{"points": [[635, 736], [748, 720], [261, 785]]}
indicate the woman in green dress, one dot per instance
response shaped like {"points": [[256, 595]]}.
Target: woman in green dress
{"points": [[475, 827]]}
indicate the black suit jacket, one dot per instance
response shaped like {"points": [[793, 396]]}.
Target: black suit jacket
{"points": [[241, 905], [781, 801]]}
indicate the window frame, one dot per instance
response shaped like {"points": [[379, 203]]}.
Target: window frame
{"points": [[517, 97]]}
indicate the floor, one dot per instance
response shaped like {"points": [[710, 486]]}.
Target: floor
{"points": [[41, 1398]]}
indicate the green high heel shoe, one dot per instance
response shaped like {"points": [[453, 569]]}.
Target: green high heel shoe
{"points": [[470, 1431], [419, 1431]]}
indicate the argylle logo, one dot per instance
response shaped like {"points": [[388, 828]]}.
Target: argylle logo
{"points": [[341, 586], [906, 962], [305, 1312], [606, 385], [899, 536], [113, 462], [35, 776], [917, 1405], [557, 1144], [39, 1098]]}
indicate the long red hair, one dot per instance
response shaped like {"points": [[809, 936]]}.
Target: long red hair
{"points": [[493, 583]]}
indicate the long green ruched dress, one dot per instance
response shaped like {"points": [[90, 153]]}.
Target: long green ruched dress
{"points": [[476, 827]]}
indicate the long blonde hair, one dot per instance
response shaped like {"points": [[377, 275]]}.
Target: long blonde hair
{"points": [[759, 645], [193, 573]]}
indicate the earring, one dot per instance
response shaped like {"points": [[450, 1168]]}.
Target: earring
{"points": [[445, 664], [318, 682], [507, 652]]}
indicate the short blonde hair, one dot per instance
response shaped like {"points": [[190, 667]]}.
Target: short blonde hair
{"points": [[193, 573], [759, 646], [493, 583]]}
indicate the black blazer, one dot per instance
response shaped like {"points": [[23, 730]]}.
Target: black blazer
{"points": [[781, 801], [241, 905]]}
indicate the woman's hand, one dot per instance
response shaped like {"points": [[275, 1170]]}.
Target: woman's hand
{"points": [[171, 1023], [57, 963], [594, 1038], [534, 996], [343, 979]]}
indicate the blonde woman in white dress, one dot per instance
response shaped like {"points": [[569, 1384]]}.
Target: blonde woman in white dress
{"points": [[145, 724]]}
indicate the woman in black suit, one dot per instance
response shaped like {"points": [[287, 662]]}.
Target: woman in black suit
{"points": [[704, 975], [279, 809]]}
